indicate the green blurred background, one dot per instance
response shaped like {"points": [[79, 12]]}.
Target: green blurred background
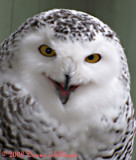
{"points": [[120, 15]]}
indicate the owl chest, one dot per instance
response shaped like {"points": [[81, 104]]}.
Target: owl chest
{"points": [[90, 138]]}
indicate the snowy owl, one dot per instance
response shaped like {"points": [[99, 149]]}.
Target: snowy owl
{"points": [[65, 91]]}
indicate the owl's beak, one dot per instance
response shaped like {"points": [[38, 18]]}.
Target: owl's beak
{"points": [[67, 82], [64, 89]]}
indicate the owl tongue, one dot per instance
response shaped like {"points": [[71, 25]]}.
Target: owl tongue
{"points": [[64, 91]]}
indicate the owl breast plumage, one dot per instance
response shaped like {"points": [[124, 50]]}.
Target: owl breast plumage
{"points": [[65, 89]]}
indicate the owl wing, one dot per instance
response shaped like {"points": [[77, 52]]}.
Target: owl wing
{"points": [[22, 128]]}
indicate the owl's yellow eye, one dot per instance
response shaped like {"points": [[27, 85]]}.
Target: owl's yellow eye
{"points": [[93, 58], [46, 51]]}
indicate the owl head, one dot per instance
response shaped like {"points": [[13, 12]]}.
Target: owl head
{"points": [[65, 58]]}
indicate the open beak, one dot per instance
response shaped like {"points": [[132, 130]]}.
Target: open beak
{"points": [[64, 89]]}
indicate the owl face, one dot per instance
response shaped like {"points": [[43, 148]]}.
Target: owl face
{"points": [[67, 66]]}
